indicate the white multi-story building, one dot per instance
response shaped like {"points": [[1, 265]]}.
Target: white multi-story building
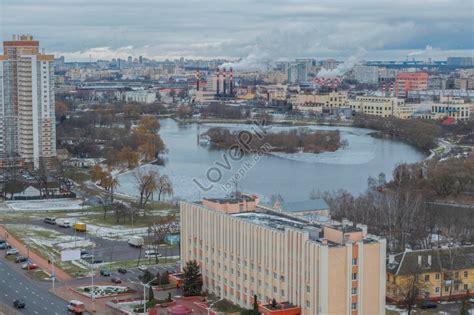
{"points": [[245, 251], [366, 74], [27, 127]]}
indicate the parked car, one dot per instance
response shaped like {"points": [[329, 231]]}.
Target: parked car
{"points": [[428, 304], [142, 268], [18, 304], [5, 245], [12, 251], [116, 280], [97, 261], [29, 266], [20, 259], [104, 273], [50, 220], [86, 256]]}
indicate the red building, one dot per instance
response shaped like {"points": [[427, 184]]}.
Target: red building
{"points": [[410, 81]]}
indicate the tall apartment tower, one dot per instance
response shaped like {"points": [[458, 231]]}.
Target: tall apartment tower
{"points": [[27, 122]]}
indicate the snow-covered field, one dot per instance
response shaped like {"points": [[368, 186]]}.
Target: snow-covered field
{"points": [[44, 238], [43, 205]]}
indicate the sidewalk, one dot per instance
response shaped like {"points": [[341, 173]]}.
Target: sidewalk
{"points": [[37, 259]]}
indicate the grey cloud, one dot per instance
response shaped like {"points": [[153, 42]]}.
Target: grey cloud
{"points": [[237, 28]]}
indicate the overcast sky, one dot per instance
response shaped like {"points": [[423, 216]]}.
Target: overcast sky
{"points": [[273, 29]]}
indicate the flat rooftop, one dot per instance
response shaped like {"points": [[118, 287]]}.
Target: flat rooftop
{"points": [[270, 220]]}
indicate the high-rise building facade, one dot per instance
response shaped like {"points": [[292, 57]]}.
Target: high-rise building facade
{"points": [[245, 250], [27, 127]]}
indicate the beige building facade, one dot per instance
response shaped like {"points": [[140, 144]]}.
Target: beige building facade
{"points": [[382, 106], [322, 269], [317, 102]]}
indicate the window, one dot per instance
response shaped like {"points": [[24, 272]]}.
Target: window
{"points": [[456, 274], [466, 287], [437, 290], [354, 306], [427, 278], [456, 287], [308, 304], [446, 289], [437, 276], [354, 261], [354, 290], [465, 274], [274, 289], [354, 276], [282, 292], [308, 289]]}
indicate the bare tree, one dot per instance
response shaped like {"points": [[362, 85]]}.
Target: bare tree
{"points": [[164, 186], [147, 184]]}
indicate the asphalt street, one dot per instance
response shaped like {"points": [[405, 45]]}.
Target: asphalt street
{"points": [[14, 284]]}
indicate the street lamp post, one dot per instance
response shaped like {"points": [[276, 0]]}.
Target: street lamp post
{"points": [[146, 285], [211, 305]]}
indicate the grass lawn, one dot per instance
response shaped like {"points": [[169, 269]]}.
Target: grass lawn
{"points": [[39, 275], [133, 263], [227, 306]]}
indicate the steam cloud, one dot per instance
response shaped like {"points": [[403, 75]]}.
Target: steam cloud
{"points": [[344, 67]]}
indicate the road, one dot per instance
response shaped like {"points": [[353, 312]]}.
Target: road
{"points": [[15, 285]]}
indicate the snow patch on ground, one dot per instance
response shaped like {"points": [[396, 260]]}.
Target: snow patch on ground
{"points": [[48, 204]]}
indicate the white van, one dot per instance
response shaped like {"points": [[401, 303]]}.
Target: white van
{"points": [[63, 223], [136, 241], [77, 307]]}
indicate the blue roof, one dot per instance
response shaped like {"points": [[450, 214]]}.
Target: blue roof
{"points": [[307, 205]]}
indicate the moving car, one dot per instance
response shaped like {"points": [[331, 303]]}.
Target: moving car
{"points": [[122, 270], [29, 266], [50, 220], [18, 304], [116, 280], [152, 253], [104, 273], [76, 307], [20, 259], [12, 251]]}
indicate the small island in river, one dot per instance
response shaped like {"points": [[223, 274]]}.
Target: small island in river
{"points": [[292, 141]]}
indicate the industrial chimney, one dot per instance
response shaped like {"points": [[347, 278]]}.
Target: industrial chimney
{"points": [[198, 78], [217, 81], [224, 83], [231, 83]]}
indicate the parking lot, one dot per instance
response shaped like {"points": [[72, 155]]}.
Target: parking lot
{"points": [[109, 250]]}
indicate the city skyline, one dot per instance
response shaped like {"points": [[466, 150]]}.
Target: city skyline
{"points": [[258, 32]]}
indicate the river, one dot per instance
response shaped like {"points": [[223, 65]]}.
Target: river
{"points": [[198, 171]]}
